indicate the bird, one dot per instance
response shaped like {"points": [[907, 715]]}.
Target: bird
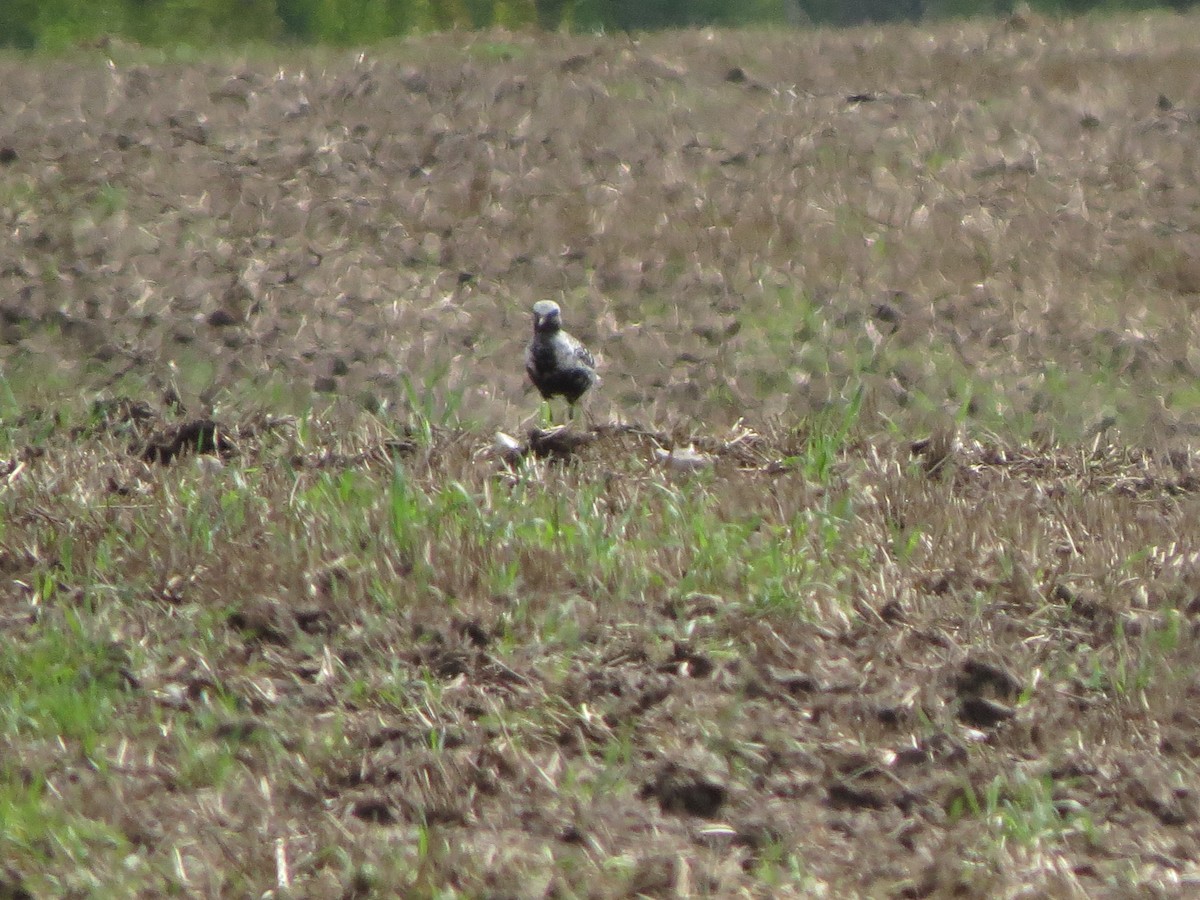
{"points": [[557, 364]]}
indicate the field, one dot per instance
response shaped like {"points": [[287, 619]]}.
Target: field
{"points": [[870, 569]]}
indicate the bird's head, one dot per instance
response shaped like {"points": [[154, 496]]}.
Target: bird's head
{"points": [[547, 317]]}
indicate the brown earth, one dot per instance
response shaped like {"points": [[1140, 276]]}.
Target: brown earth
{"points": [[786, 663], [925, 670], [996, 217]]}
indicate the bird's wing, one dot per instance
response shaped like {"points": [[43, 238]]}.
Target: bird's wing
{"points": [[582, 354]]}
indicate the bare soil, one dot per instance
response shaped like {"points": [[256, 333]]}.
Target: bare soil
{"points": [[994, 216]]}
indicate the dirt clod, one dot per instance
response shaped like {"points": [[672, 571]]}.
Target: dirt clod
{"points": [[561, 443], [979, 676], [195, 436], [848, 795], [375, 810], [222, 318], [682, 790], [262, 620], [687, 664], [980, 712]]}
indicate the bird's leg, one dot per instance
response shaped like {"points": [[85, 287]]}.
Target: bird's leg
{"points": [[578, 411], [547, 414]]}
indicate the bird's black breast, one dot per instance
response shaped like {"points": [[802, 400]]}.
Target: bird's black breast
{"points": [[572, 384], [543, 360], [553, 376]]}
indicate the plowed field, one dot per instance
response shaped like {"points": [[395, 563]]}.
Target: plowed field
{"points": [[871, 567]]}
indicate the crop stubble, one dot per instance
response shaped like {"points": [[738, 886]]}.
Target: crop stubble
{"points": [[865, 666]]}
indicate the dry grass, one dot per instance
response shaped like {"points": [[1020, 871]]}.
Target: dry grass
{"points": [[759, 641]]}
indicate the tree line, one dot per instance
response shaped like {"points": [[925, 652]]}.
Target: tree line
{"points": [[55, 24]]}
